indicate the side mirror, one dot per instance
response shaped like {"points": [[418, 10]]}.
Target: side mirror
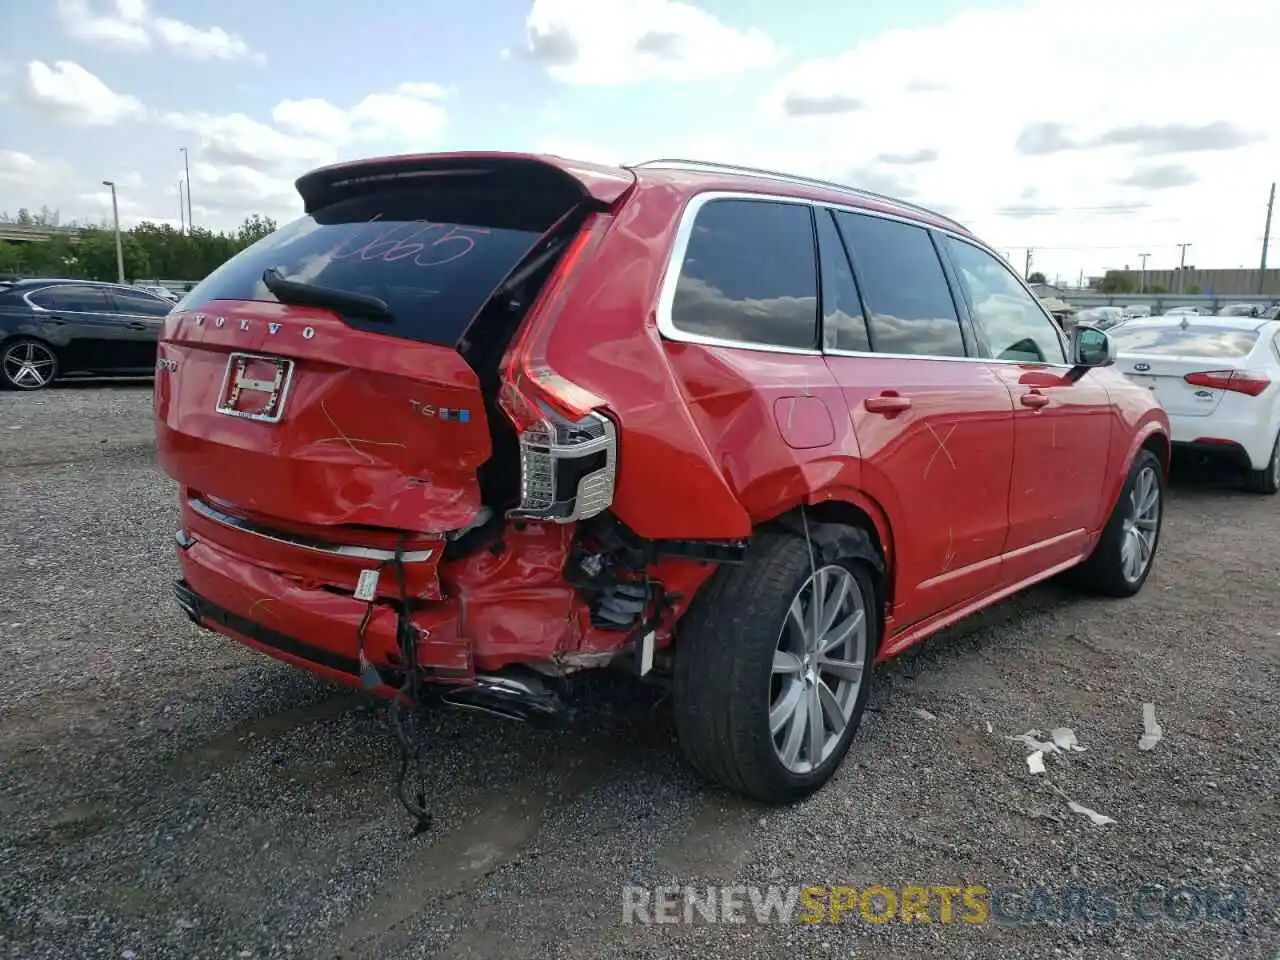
{"points": [[1091, 347]]}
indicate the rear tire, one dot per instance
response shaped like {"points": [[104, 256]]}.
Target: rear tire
{"points": [[750, 667], [27, 364], [1266, 480], [1133, 530]]}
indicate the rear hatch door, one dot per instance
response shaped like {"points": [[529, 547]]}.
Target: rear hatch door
{"points": [[318, 412]]}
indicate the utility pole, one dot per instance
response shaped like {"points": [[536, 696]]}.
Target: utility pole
{"points": [[1142, 277], [115, 212], [1026, 273], [1182, 265], [182, 214], [1266, 241], [186, 166]]}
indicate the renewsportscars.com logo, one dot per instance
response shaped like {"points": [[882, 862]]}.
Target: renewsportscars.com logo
{"points": [[938, 903]]}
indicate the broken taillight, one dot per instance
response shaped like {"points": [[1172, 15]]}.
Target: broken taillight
{"points": [[568, 444]]}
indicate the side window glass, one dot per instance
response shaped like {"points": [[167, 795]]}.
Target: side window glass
{"points": [[81, 299], [1005, 313], [750, 275], [844, 327], [127, 301], [904, 287], [46, 298]]}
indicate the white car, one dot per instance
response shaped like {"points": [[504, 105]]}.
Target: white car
{"points": [[1218, 379]]}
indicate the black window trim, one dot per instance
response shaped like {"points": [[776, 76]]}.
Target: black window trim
{"points": [[962, 293], [680, 245], [828, 337], [675, 264]]}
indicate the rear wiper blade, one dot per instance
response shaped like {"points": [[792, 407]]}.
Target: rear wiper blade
{"points": [[312, 295]]}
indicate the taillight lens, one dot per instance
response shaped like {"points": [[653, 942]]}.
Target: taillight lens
{"points": [[568, 445], [1237, 381]]}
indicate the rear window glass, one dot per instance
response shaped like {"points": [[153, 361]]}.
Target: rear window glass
{"points": [[1195, 340], [434, 256]]}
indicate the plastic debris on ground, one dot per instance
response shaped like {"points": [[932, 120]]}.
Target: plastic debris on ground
{"points": [[1152, 731], [1100, 819], [1035, 762], [923, 714]]}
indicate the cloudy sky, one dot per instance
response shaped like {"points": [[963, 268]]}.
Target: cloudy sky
{"points": [[1090, 131]]}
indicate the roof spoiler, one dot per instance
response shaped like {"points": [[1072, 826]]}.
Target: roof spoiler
{"points": [[602, 184]]}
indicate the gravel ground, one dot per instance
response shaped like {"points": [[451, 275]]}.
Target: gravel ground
{"points": [[165, 793]]}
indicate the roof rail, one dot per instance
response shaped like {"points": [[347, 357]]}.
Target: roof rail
{"points": [[712, 167]]}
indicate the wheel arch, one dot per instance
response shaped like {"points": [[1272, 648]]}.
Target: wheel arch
{"points": [[830, 516]]}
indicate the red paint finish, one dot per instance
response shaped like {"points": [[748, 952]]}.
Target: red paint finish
{"points": [[804, 422], [1052, 511], [978, 478], [937, 442], [354, 446]]}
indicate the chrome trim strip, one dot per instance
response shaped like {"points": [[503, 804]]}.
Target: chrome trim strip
{"points": [[675, 261], [318, 546], [680, 246]]}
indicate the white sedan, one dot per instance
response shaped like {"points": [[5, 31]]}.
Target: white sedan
{"points": [[1218, 379]]}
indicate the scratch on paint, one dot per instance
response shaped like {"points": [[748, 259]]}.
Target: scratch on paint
{"points": [[951, 550], [352, 441], [942, 448]]}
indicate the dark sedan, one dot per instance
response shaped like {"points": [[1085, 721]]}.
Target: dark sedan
{"points": [[53, 329]]}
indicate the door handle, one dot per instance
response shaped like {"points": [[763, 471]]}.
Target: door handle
{"points": [[56, 321], [887, 403], [1034, 400], [135, 325]]}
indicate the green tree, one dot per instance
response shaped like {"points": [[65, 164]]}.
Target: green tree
{"points": [[1037, 277], [150, 250], [254, 229], [1116, 281]]}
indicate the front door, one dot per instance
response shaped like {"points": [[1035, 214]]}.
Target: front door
{"points": [[1062, 425], [934, 426]]}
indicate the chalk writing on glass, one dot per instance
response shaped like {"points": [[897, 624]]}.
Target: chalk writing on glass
{"points": [[425, 243]]}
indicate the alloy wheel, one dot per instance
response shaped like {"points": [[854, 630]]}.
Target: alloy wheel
{"points": [[817, 668], [1141, 525], [29, 365]]}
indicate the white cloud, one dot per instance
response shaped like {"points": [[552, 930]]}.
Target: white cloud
{"points": [[128, 24], [71, 91], [317, 131], [240, 140], [628, 41], [1129, 147], [200, 43], [121, 24]]}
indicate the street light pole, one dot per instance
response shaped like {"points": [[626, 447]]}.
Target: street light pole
{"points": [[186, 166], [1182, 266], [182, 214], [1142, 277], [115, 213]]}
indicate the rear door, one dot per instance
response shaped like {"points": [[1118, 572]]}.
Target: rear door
{"points": [[1161, 356], [934, 425], [142, 317], [1062, 426]]}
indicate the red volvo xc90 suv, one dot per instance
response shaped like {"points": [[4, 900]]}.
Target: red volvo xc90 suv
{"points": [[477, 423]]}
